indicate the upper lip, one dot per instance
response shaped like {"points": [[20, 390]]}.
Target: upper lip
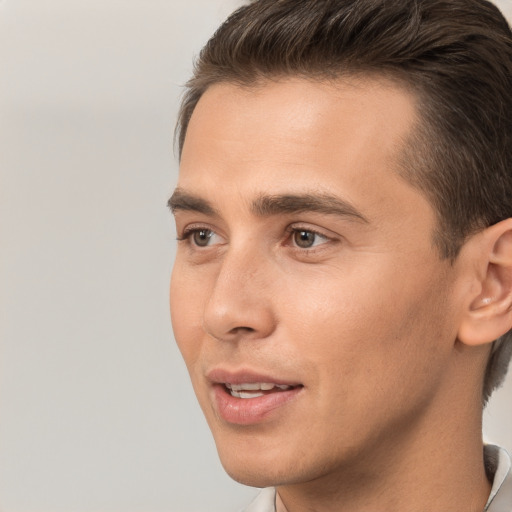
{"points": [[245, 376]]}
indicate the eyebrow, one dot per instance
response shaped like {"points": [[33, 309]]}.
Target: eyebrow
{"points": [[271, 205], [181, 200], [298, 203]]}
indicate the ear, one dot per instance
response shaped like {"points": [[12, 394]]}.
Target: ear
{"points": [[489, 313]]}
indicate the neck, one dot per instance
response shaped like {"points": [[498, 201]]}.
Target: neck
{"points": [[437, 465]]}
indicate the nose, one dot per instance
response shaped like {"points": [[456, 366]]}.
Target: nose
{"points": [[240, 304]]}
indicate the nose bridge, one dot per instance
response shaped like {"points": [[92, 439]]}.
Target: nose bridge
{"points": [[240, 301]]}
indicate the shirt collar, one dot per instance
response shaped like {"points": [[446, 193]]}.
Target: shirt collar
{"points": [[499, 467]]}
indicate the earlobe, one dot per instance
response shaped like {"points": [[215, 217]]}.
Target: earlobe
{"points": [[489, 314]]}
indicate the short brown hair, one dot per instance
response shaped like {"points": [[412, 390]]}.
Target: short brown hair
{"points": [[455, 55]]}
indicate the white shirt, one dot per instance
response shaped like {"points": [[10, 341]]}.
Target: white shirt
{"points": [[498, 465]]}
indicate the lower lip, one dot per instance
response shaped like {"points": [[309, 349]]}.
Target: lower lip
{"points": [[249, 411]]}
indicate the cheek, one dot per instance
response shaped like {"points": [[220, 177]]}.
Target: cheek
{"points": [[330, 305], [372, 352], [369, 323]]}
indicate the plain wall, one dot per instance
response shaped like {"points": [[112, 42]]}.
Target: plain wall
{"points": [[96, 410]]}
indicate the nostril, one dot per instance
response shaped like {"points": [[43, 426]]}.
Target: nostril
{"points": [[241, 330]]}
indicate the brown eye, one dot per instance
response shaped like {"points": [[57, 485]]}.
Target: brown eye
{"points": [[307, 238], [304, 239], [202, 237]]}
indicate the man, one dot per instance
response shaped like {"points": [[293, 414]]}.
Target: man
{"points": [[342, 292]]}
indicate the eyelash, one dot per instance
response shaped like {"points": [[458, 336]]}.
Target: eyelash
{"points": [[190, 231]]}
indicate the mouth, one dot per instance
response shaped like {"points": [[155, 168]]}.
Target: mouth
{"points": [[250, 390], [247, 398]]}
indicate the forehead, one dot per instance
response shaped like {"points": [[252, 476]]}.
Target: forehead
{"points": [[300, 99], [294, 133]]}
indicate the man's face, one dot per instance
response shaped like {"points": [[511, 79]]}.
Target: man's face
{"points": [[315, 316]]}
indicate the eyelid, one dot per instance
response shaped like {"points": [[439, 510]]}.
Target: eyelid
{"points": [[303, 226], [188, 229]]}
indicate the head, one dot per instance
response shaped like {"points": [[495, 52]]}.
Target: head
{"points": [[431, 80]]}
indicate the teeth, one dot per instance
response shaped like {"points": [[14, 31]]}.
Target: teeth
{"points": [[253, 389], [245, 394], [255, 386]]}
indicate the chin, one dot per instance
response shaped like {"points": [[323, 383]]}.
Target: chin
{"points": [[244, 476], [257, 475], [256, 467]]}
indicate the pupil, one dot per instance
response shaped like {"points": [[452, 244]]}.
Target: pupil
{"points": [[304, 239]]}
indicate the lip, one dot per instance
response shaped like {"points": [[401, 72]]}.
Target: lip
{"points": [[222, 376], [249, 411]]}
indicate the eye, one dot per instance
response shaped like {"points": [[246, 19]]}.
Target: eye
{"points": [[201, 237], [305, 238]]}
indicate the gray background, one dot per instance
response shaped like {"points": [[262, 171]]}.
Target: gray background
{"points": [[96, 411]]}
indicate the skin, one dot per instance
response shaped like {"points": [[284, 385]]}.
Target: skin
{"points": [[365, 319]]}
